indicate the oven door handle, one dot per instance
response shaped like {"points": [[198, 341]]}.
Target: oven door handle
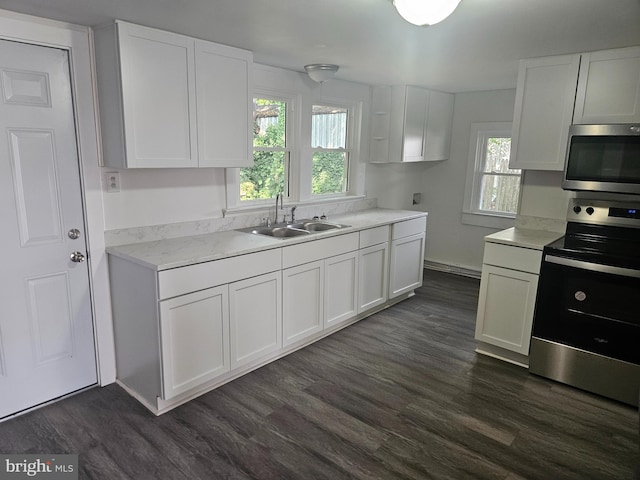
{"points": [[595, 267]]}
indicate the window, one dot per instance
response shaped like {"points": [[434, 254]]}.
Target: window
{"points": [[329, 146], [493, 189], [271, 152]]}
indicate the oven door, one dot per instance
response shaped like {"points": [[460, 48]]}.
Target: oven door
{"points": [[589, 306]]}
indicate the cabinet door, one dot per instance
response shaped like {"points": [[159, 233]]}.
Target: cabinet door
{"points": [[415, 118], [609, 87], [505, 308], [224, 78], [340, 289], [195, 339], [372, 278], [255, 307], [303, 291], [545, 97], [438, 129], [406, 264], [158, 97]]}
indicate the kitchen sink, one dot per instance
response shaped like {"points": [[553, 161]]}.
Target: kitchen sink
{"points": [[296, 229]]}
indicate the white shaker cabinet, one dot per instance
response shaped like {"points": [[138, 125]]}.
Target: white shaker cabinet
{"points": [[171, 101], [406, 265], [340, 289], [373, 268], [255, 318], [224, 94], [545, 95], [194, 335], [410, 124], [303, 294], [507, 299], [609, 87]]}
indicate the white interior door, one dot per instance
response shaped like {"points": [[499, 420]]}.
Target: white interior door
{"points": [[46, 329]]}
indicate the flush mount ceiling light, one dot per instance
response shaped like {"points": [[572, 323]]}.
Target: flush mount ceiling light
{"points": [[321, 72], [425, 12]]}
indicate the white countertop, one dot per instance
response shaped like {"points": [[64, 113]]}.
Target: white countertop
{"points": [[526, 238], [183, 251]]}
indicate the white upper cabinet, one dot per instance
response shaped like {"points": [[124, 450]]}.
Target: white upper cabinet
{"points": [[157, 92], [609, 87], [545, 97], [410, 124], [224, 80]]}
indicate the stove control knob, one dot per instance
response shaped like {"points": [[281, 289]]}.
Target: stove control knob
{"points": [[590, 210], [577, 209]]}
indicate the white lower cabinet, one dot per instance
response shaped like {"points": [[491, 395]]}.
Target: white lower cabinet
{"points": [[505, 308], [406, 264], [255, 308], [194, 335], [373, 271], [303, 304], [340, 289]]}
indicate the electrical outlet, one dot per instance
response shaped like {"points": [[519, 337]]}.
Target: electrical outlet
{"points": [[417, 198], [113, 182]]}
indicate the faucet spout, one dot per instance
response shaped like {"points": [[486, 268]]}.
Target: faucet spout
{"points": [[278, 197]]}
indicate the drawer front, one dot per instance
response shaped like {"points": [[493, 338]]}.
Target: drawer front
{"points": [[179, 281], [409, 227], [374, 236], [319, 249], [515, 258]]}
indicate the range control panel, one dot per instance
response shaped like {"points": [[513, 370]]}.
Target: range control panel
{"points": [[604, 212]]}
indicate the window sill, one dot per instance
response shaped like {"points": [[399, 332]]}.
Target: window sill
{"points": [[488, 220]]}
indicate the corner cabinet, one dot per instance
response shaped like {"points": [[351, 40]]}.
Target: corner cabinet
{"points": [[410, 124], [506, 302], [171, 101], [545, 95], [609, 87]]}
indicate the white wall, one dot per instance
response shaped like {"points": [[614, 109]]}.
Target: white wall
{"points": [[162, 196]]}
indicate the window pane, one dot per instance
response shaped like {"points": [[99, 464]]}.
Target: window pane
{"points": [[328, 127], [497, 155], [329, 172], [499, 193], [269, 123], [266, 178]]}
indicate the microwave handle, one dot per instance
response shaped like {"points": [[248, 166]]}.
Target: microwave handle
{"points": [[594, 267]]}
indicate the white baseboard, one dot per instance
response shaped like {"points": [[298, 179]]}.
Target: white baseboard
{"points": [[455, 269]]}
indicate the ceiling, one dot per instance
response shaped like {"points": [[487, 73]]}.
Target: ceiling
{"points": [[476, 48]]}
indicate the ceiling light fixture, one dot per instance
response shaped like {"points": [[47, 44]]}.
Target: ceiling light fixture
{"points": [[425, 12], [321, 72]]}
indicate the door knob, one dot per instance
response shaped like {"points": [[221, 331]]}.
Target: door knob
{"points": [[74, 234], [77, 257]]}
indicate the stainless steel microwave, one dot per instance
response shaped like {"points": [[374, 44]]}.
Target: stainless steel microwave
{"points": [[603, 158]]}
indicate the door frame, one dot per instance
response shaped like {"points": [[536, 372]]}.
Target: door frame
{"points": [[78, 41]]}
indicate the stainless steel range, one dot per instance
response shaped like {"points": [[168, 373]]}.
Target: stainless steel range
{"points": [[586, 329]]}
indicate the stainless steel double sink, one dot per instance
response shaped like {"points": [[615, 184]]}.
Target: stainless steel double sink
{"points": [[295, 229]]}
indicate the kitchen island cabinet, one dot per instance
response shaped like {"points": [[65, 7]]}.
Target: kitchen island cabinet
{"points": [[191, 314]]}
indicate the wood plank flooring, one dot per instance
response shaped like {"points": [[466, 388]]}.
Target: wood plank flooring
{"points": [[400, 395]]}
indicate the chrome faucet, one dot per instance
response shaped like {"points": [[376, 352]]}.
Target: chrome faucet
{"points": [[278, 197], [293, 214]]}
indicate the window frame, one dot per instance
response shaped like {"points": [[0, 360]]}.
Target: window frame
{"points": [[292, 102], [471, 213], [348, 146]]}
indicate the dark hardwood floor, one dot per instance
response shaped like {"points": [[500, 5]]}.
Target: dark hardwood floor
{"points": [[400, 395]]}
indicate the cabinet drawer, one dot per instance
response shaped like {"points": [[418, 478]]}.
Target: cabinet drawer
{"points": [[319, 249], [374, 236], [409, 227], [179, 281], [515, 258]]}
